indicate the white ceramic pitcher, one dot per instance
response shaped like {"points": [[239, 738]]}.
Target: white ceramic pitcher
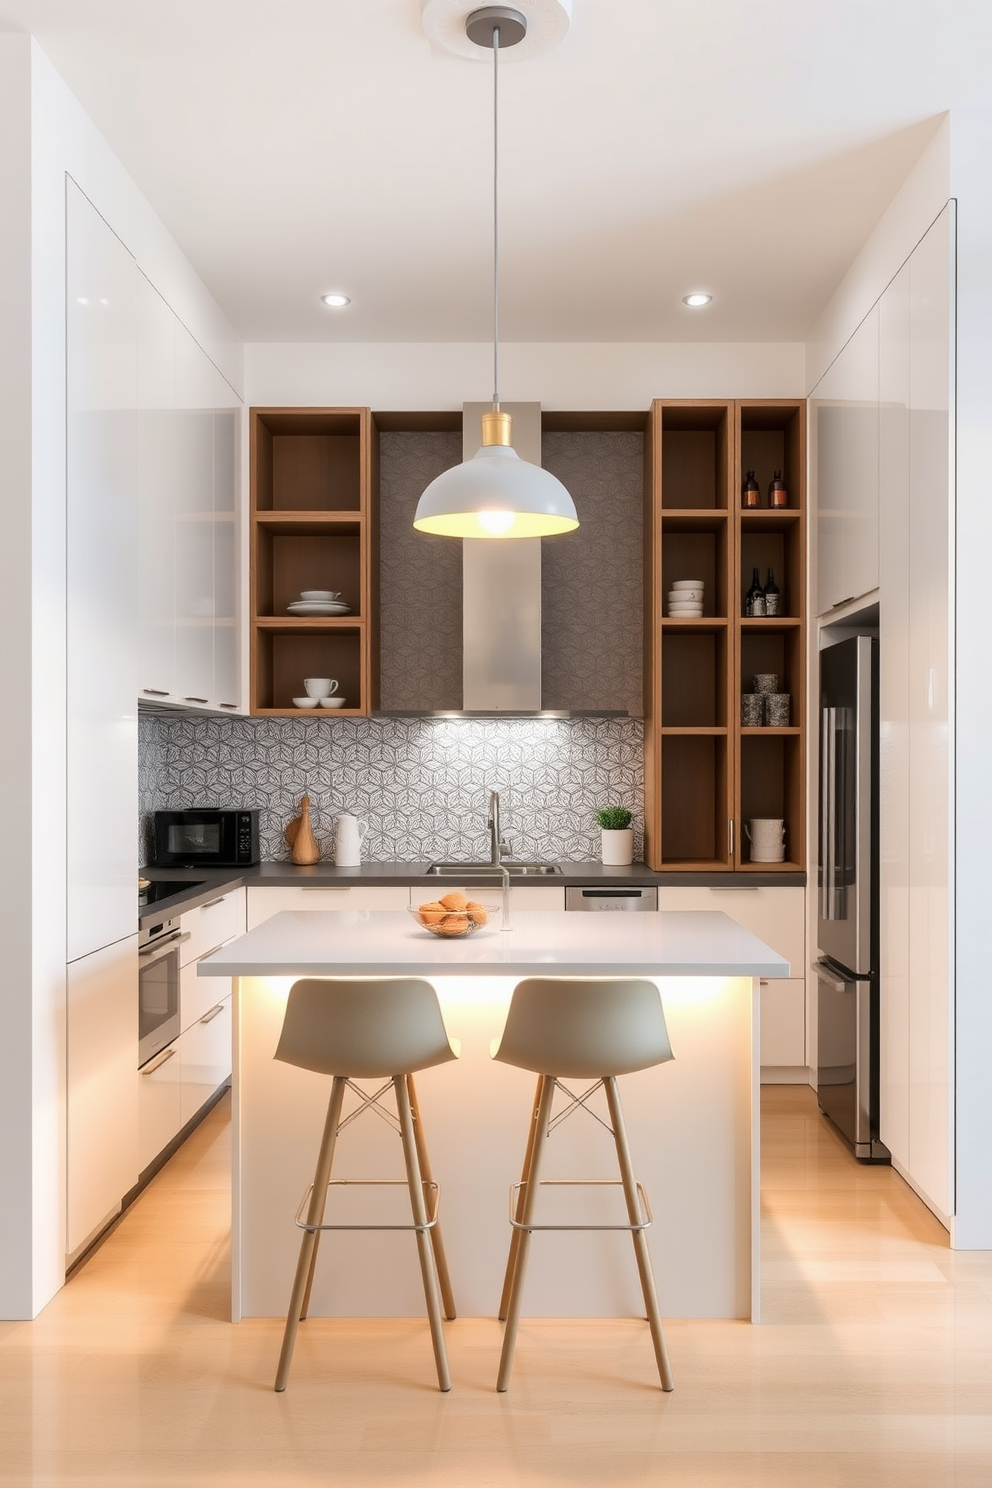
{"points": [[766, 835], [348, 834]]}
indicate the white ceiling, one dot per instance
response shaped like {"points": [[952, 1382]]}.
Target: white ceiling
{"points": [[295, 146]]}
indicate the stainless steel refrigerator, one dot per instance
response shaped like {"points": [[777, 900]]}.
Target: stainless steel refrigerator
{"points": [[847, 966]]}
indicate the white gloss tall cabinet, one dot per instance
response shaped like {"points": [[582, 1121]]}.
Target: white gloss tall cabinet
{"points": [[101, 723], [151, 471], [882, 452]]}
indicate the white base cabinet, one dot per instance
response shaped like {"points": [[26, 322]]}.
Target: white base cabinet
{"points": [[178, 1082], [778, 917], [101, 1088], [204, 1056], [159, 1104]]}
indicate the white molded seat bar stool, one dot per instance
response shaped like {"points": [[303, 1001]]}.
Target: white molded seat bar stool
{"points": [[369, 1030], [589, 1029]]}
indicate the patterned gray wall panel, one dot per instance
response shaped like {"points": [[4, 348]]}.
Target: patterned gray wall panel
{"points": [[421, 784], [420, 580], [592, 579]]}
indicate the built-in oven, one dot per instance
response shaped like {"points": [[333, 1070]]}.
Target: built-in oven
{"points": [[158, 986]]}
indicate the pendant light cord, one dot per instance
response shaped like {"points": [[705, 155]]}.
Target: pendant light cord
{"points": [[496, 217]]}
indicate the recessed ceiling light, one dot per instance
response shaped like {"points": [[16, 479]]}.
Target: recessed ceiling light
{"points": [[335, 300], [696, 299]]}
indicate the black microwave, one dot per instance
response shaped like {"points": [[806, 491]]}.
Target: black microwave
{"points": [[207, 838]]}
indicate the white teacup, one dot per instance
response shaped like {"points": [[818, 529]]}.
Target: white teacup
{"points": [[320, 687], [767, 837]]}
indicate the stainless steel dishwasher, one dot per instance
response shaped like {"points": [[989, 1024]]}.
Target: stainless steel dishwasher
{"points": [[600, 900]]}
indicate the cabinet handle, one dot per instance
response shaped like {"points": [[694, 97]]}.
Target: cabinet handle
{"points": [[210, 904], [156, 1064], [218, 947], [195, 700], [730, 836], [164, 947], [157, 691], [227, 705], [213, 1013]]}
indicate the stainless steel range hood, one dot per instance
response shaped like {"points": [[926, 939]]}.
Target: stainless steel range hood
{"points": [[501, 604], [501, 592]]}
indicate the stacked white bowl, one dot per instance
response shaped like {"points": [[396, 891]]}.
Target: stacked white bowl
{"points": [[685, 599]]}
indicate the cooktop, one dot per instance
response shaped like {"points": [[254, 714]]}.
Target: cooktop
{"points": [[156, 891]]}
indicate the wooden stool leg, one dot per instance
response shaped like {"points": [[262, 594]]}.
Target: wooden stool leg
{"points": [[440, 1259], [424, 1248], [530, 1192], [639, 1238], [315, 1212], [511, 1261]]}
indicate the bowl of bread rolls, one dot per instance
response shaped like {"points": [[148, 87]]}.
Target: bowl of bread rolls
{"points": [[454, 915]]}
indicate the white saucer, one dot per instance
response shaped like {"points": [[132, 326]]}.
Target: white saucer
{"points": [[317, 607]]}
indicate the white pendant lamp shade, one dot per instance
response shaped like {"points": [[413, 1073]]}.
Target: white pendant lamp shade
{"points": [[496, 494]]}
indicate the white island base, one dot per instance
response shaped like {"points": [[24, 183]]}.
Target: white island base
{"points": [[692, 1123]]}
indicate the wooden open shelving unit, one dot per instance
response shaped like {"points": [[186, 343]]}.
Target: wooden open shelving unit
{"points": [[705, 775], [312, 527]]}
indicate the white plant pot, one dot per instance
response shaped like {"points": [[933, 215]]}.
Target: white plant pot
{"points": [[618, 847]]}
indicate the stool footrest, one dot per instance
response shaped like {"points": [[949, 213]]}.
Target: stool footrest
{"points": [[432, 1195], [646, 1220]]}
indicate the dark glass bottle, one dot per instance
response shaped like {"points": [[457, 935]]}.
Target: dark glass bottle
{"points": [[773, 595], [778, 493], [754, 599], [750, 492]]}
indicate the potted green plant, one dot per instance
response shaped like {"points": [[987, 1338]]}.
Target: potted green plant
{"points": [[617, 835]]}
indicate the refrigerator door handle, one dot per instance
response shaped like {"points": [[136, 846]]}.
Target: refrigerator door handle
{"points": [[827, 974], [828, 821]]}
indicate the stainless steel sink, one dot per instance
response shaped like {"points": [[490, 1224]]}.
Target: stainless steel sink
{"points": [[515, 870]]}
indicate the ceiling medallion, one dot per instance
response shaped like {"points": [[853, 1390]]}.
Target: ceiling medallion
{"points": [[546, 23]]}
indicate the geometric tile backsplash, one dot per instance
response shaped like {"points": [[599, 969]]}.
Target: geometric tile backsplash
{"points": [[421, 784]]}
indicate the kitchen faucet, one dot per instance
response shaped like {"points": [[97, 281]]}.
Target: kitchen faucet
{"points": [[496, 844]]}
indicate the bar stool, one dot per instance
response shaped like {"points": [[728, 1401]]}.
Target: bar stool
{"points": [[369, 1030], [590, 1029]]}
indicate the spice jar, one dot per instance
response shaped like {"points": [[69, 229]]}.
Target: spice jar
{"points": [[750, 492], [778, 494]]}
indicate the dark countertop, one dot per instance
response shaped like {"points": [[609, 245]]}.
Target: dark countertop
{"points": [[214, 881]]}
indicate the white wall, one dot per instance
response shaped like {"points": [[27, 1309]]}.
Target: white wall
{"points": [[29, 1187], [45, 136], [409, 376]]}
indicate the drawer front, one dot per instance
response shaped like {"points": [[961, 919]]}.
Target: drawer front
{"points": [[197, 995], [212, 924], [159, 1104], [783, 1023], [205, 1057], [263, 903], [776, 916]]}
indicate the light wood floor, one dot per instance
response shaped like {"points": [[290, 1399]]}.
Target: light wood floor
{"points": [[873, 1365]]}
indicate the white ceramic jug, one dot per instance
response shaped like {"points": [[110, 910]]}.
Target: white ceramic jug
{"points": [[766, 835], [348, 834]]}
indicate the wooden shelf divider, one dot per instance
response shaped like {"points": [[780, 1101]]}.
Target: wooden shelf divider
{"points": [[312, 527], [706, 775]]}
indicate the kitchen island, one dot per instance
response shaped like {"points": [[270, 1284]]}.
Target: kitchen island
{"points": [[693, 1123]]}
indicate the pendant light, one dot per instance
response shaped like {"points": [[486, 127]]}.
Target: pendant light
{"points": [[496, 493]]}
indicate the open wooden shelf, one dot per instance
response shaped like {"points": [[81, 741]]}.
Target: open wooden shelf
{"points": [[312, 471], [706, 775]]}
